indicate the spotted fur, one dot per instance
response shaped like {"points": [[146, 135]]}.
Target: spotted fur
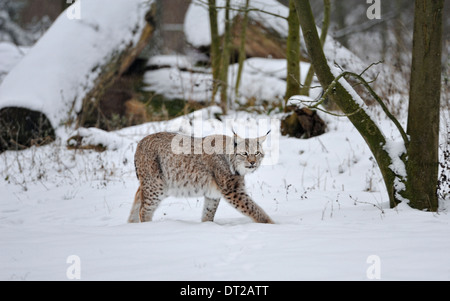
{"points": [[169, 164]]}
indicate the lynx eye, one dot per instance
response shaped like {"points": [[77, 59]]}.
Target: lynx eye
{"points": [[245, 154], [257, 153]]}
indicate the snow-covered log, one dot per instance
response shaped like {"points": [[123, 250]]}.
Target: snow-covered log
{"points": [[90, 45]]}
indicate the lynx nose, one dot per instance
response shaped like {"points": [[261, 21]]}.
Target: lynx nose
{"points": [[252, 163]]}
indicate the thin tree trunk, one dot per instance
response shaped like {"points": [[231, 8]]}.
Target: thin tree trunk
{"points": [[293, 54], [424, 105], [215, 47], [225, 60], [323, 37], [339, 11], [242, 55], [400, 42], [359, 118]]}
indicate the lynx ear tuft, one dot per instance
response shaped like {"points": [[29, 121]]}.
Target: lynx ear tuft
{"points": [[236, 137], [263, 138]]}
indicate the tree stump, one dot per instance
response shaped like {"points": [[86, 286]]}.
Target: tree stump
{"points": [[302, 123]]}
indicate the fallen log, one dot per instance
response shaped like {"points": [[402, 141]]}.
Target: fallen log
{"points": [[66, 72]]}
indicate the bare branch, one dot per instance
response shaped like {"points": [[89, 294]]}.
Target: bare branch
{"points": [[374, 95], [249, 9], [364, 26]]}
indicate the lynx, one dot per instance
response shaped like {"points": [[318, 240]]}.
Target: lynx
{"points": [[169, 164]]}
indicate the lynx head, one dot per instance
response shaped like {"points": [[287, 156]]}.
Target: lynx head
{"points": [[248, 153]]}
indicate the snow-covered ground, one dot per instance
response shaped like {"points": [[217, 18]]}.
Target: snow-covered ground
{"points": [[63, 214]]}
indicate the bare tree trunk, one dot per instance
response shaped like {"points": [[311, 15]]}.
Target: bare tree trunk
{"points": [[215, 46], [242, 55], [419, 184], [359, 118], [225, 60], [293, 55], [340, 13], [323, 37], [400, 42], [424, 105]]}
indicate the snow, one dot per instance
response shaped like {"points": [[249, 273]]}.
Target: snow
{"points": [[355, 96], [175, 83], [62, 66], [272, 67], [196, 23], [10, 55], [262, 79], [300, 100], [325, 194], [180, 61], [396, 149], [12, 32], [58, 203], [196, 29], [94, 136]]}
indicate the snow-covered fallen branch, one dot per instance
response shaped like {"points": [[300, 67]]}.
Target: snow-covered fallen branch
{"points": [[62, 72]]}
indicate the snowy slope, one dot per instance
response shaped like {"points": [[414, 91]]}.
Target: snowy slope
{"points": [[325, 195]]}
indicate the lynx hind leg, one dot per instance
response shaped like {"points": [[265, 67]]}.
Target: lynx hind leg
{"points": [[209, 209], [134, 214], [152, 194]]}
